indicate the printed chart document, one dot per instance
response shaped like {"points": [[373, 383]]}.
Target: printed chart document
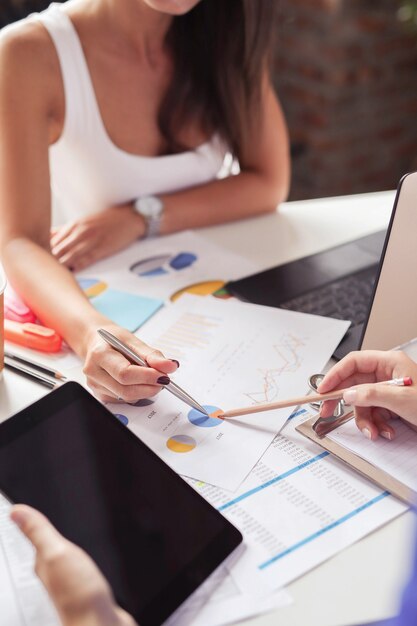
{"points": [[231, 354], [184, 261], [23, 599], [181, 262], [397, 457], [298, 507]]}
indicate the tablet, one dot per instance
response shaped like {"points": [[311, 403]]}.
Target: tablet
{"points": [[153, 537]]}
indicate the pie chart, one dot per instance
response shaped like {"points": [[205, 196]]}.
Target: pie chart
{"points": [[92, 287], [201, 420], [163, 264], [181, 443], [122, 418], [206, 288]]}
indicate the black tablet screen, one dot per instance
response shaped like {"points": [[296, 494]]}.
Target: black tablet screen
{"points": [[153, 537]]}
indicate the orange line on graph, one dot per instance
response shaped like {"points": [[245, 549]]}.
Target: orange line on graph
{"points": [[288, 361]]}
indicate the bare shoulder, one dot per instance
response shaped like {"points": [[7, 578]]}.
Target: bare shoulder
{"points": [[29, 63]]}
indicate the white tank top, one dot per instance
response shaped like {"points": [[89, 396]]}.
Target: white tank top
{"points": [[89, 172]]}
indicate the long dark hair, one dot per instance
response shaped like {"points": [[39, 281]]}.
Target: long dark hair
{"points": [[220, 50]]}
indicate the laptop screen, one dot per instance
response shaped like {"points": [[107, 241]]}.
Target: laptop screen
{"points": [[392, 319]]}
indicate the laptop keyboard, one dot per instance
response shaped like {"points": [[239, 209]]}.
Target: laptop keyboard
{"points": [[344, 299]]}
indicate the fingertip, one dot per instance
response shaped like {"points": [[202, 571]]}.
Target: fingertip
{"points": [[327, 408], [325, 412], [21, 514], [172, 366], [387, 433], [366, 432], [322, 387], [370, 432], [162, 363]]}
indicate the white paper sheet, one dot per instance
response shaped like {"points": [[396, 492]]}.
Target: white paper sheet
{"points": [[298, 507], [161, 267], [397, 457], [23, 599], [231, 354]]}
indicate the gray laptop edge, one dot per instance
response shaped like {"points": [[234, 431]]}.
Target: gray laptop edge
{"points": [[368, 281]]}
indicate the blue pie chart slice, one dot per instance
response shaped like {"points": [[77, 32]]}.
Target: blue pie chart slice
{"points": [[201, 420], [183, 260], [122, 418]]}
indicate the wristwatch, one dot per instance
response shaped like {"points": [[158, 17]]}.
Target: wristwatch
{"points": [[151, 208]]}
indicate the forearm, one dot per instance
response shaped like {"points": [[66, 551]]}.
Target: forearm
{"points": [[237, 197], [51, 291]]}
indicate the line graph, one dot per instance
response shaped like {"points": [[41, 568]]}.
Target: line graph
{"points": [[287, 353]]}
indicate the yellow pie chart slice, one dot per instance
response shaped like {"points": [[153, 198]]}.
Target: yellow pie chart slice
{"points": [[206, 288], [181, 443]]}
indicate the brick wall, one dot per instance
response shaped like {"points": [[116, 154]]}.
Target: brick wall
{"points": [[346, 74]]}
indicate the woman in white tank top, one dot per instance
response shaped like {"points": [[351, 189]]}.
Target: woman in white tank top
{"points": [[114, 121]]}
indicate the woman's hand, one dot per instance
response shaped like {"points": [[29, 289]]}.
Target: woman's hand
{"points": [[114, 378], [79, 244], [374, 405], [77, 588]]}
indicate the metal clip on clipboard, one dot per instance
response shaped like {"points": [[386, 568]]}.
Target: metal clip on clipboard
{"points": [[316, 430], [324, 425]]}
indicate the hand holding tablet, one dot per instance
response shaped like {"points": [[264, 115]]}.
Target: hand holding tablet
{"points": [[152, 536], [75, 585]]}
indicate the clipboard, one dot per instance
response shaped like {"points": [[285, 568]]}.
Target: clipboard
{"points": [[373, 473]]}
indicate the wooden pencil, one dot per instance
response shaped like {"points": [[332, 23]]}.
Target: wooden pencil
{"points": [[282, 404], [312, 397]]}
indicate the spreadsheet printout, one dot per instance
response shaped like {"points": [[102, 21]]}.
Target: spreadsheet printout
{"points": [[397, 457], [298, 507]]}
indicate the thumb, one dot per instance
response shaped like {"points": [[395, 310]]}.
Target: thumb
{"points": [[38, 529], [384, 396]]}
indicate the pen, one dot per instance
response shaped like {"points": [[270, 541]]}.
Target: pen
{"points": [[313, 397], [135, 358], [30, 373], [34, 365]]}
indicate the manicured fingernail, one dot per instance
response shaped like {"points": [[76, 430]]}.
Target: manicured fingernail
{"points": [[177, 363], [366, 432], [386, 434], [349, 396], [163, 380]]}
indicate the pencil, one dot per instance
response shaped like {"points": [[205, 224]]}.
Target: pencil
{"points": [[34, 365], [313, 397], [30, 373]]}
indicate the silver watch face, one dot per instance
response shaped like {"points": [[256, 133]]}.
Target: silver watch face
{"points": [[149, 206]]}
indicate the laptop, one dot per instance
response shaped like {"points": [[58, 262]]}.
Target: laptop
{"points": [[368, 281]]}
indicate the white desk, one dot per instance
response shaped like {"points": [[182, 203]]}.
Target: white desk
{"points": [[360, 584]]}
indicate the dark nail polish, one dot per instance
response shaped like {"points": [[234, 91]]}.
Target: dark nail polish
{"points": [[163, 380], [177, 363]]}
